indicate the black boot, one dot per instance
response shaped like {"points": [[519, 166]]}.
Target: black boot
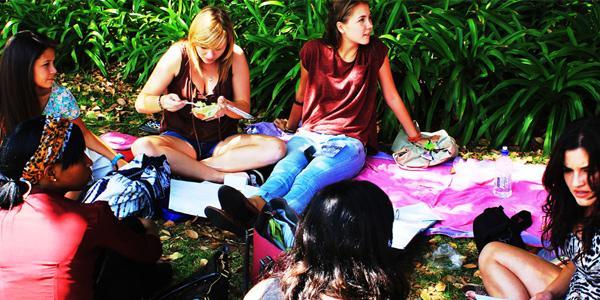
{"points": [[223, 220], [237, 206]]}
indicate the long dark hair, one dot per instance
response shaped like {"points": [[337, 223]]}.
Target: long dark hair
{"points": [[339, 11], [342, 247], [18, 147], [18, 97], [563, 214]]}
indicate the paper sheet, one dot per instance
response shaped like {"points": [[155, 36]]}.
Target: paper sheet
{"points": [[480, 297], [409, 221], [192, 197]]}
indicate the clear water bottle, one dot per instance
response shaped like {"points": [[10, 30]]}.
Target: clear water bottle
{"points": [[503, 182]]}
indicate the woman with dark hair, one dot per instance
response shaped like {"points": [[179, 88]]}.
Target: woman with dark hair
{"points": [[205, 67], [336, 100], [49, 244], [572, 228], [341, 249], [28, 89]]}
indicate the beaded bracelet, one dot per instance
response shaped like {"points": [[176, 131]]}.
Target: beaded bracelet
{"points": [[160, 104]]}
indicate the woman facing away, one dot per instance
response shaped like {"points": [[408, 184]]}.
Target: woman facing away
{"points": [[49, 244], [336, 100], [208, 65], [572, 228], [28, 89], [341, 249]]}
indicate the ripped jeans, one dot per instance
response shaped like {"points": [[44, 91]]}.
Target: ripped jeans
{"points": [[296, 179]]}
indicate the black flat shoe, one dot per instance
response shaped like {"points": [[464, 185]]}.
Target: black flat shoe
{"points": [[237, 206], [223, 220]]}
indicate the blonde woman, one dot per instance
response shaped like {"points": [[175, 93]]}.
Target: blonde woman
{"points": [[206, 67]]}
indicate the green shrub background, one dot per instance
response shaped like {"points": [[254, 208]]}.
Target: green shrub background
{"points": [[504, 70]]}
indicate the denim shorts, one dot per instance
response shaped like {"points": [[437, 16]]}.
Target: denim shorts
{"points": [[203, 149]]}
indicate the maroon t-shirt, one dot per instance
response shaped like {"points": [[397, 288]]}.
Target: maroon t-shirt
{"points": [[340, 97]]}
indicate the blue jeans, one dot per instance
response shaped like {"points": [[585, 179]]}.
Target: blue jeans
{"points": [[296, 179]]}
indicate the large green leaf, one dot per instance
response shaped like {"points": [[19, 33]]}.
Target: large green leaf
{"points": [[506, 70]]}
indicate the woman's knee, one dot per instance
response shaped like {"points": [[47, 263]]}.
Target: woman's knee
{"points": [[271, 148], [489, 254], [146, 145], [276, 149]]}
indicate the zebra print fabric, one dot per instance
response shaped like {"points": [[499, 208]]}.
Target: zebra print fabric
{"points": [[585, 283]]}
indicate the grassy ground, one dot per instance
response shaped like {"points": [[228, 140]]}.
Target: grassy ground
{"points": [[109, 105]]}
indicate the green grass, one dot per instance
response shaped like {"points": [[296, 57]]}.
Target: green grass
{"points": [[106, 104], [432, 278], [188, 246]]}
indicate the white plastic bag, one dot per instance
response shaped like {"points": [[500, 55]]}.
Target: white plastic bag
{"points": [[433, 149]]}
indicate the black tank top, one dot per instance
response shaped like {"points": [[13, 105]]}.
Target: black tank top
{"points": [[183, 122]]}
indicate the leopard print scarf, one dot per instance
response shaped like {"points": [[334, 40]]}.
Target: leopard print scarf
{"points": [[55, 135]]}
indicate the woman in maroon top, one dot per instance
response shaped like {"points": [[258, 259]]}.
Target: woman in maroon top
{"points": [[49, 244], [208, 65], [336, 100]]}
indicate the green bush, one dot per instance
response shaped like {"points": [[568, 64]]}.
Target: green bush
{"points": [[503, 70], [93, 33]]}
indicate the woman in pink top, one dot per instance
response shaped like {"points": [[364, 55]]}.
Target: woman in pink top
{"points": [[336, 100], [49, 244]]}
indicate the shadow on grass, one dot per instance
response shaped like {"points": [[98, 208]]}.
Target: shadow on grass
{"points": [[189, 244]]}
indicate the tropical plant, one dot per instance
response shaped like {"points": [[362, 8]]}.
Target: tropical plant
{"points": [[274, 34], [492, 70], [552, 75], [503, 70]]}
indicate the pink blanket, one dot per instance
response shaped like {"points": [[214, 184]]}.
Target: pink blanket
{"points": [[460, 197]]}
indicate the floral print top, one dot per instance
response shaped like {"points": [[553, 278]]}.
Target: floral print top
{"points": [[61, 104]]}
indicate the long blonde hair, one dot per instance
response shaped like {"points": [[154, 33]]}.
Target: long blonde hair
{"points": [[211, 28]]}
